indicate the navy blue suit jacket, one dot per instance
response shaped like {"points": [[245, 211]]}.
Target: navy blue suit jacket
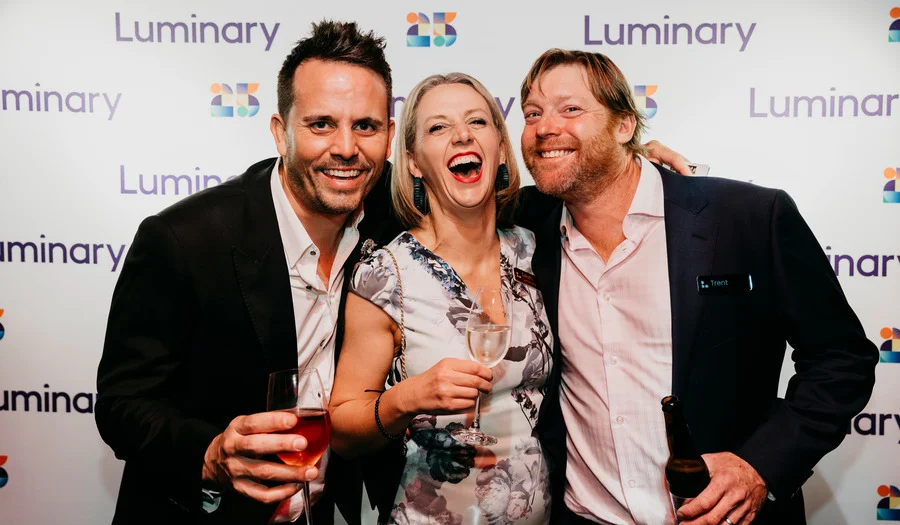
{"points": [[728, 349]]}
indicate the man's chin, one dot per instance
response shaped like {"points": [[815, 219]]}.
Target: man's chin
{"points": [[340, 204], [551, 185]]}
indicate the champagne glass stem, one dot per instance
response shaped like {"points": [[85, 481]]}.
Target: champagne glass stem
{"points": [[306, 505], [476, 423]]}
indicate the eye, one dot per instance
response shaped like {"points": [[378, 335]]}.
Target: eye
{"points": [[436, 128], [571, 109], [478, 122], [367, 127], [319, 125]]}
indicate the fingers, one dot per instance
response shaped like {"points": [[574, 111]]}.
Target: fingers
{"points": [[266, 494], [747, 519], [680, 165], [474, 382], [470, 367], [703, 503], [659, 153], [263, 423], [726, 507], [262, 444], [261, 470]]}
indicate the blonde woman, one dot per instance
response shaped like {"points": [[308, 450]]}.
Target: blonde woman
{"points": [[455, 176]]}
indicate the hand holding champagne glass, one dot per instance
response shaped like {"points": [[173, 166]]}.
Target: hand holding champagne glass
{"points": [[300, 392], [488, 334]]}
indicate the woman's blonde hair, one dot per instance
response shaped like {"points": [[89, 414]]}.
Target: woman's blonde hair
{"points": [[402, 179]]}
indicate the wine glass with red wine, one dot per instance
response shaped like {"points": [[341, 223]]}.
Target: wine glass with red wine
{"points": [[301, 393]]}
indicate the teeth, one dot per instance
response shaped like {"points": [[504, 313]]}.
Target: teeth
{"points": [[555, 153], [464, 159], [343, 174]]}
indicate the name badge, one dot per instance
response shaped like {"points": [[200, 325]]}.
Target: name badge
{"points": [[525, 278], [732, 284]]}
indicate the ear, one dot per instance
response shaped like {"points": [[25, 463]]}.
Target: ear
{"points": [[390, 141], [413, 165], [279, 132], [625, 129]]}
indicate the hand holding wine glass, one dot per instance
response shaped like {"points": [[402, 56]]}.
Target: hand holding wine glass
{"points": [[488, 334], [301, 393], [232, 459]]}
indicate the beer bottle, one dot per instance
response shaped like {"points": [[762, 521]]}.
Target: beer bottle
{"points": [[686, 471]]}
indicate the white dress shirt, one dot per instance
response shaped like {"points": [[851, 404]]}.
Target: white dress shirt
{"points": [[615, 327], [316, 306]]}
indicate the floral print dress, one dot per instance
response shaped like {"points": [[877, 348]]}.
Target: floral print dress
{"points": [[447, 482]]}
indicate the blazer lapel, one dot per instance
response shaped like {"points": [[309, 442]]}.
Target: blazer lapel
{"points": [[690, 242], [262, 273]]}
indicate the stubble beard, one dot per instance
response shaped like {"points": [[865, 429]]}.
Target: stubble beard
{"points": [[595, 169], [312, 194]]}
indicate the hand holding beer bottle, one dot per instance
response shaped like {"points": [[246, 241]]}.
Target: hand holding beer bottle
{"points": [[686, 472]]}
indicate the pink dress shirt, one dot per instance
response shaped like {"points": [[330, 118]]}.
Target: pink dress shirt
{"points": [[615, 326]]}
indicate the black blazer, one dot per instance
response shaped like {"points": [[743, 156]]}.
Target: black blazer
{"points": [[201, 314], [728, 350]]}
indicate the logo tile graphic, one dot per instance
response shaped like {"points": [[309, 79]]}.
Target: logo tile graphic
{"points": [[2, 330], [419, 33], [4, 477], [643, 101], [894, 31], [889, 504], [892, 188], [229, 102], [890, 349]]}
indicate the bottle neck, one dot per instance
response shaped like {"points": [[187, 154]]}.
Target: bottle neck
{"points": [[681, 445]]}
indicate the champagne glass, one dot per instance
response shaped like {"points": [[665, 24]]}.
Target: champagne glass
{"points": [[301, 393], [488, 333]]}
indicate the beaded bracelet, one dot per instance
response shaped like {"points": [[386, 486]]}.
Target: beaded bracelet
{"points": [[383, 430]]}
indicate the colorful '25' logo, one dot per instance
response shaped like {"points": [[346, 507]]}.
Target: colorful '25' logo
{"points": [[419, 34], [227, 99]]}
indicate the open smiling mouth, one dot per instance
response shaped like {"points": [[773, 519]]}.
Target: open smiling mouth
{"points": [[343, 174], [555, 153], [465, 167]]}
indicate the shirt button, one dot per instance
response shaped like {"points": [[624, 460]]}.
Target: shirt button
{"points": [[322, 343], [313, 252], [309, 287], [614, 360], [620, 420], [607, 297], [632, 483]]}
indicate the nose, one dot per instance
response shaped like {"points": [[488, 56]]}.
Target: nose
{"points": [[547, 126], [344, 144], [461, 134]]}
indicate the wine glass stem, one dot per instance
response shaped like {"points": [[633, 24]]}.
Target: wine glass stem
{"points": [[476, 423], [306, 505]]}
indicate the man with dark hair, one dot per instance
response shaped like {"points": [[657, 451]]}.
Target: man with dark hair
{"points": [[657, 284], [239, 281]]}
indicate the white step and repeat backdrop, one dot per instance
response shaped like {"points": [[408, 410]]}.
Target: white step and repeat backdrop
{"points": [[111, 111]]}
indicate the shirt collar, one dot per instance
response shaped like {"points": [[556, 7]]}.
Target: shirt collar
{"points": [[648, 199], [294, 237]]}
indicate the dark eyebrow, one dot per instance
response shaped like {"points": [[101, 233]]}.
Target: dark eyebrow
{"points": [[316, 118], [372, 121]]}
